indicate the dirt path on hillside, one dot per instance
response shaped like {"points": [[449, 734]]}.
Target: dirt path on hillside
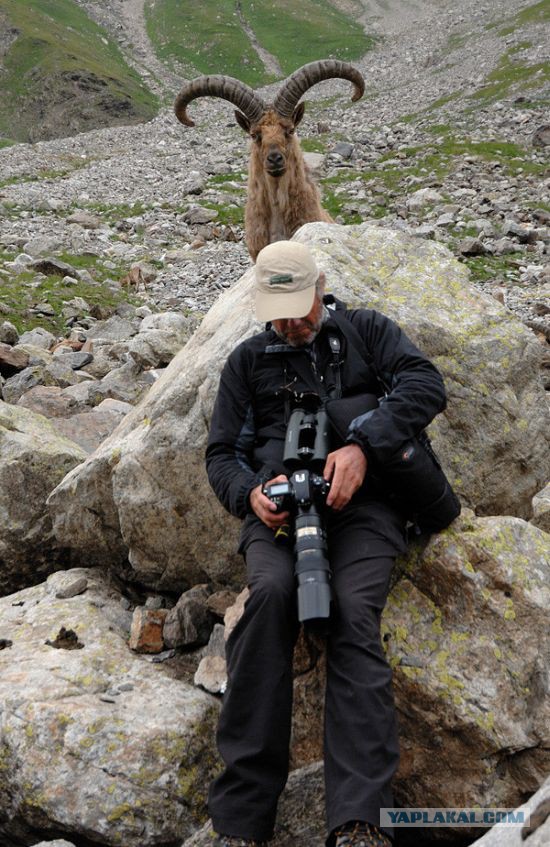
{"points": [[269, 61], [132, 17]]}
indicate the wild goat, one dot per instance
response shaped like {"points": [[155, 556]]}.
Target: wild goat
{"points": [[281, 193]]}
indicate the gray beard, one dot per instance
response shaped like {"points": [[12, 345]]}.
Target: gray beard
{"points": [[313, 335]]}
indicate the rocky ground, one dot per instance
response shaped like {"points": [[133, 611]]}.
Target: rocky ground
{"points": [[443, 145]]}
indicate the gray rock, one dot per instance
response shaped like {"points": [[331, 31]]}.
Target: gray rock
{"points": [[504, 246], [343, 149], [33, 459], [48, 400], [12, 361], [8, 333], [541, 136], [315, 162], [84, 219], [541, 509], [51, 266], [113, 329], [38, 337], [130, 769], [524, 234], [211, 674], [200, 215], [89, 429], [42, 246], [73, 359], [423, 197], [216, 643], [20, 383], [472, 247], [59, 842], [190, 622], [72, 587]]}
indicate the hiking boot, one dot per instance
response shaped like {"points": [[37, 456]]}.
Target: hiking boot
{"points": [[236, 841], [361, 834]]}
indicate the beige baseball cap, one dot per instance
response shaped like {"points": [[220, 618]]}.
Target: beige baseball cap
{"points": [[285, 281]]}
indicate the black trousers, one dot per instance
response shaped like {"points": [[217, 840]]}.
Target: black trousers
{"points": [[361, 749]]}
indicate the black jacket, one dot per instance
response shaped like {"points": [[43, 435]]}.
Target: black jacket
{"points": [[246, 440]]}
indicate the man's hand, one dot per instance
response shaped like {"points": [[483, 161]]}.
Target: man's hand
{"points": [[264, 508], [346, 469]]}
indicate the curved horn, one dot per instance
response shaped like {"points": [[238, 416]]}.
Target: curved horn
{"points": [[225, 87], [309, 75]]}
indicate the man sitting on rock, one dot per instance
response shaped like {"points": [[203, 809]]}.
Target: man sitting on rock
{"points": [[365, 533]]}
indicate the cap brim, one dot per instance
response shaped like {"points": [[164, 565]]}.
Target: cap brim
{"points": [[275, 307]]}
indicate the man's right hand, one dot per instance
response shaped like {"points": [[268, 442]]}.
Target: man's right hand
{"points": [[264, 508]]}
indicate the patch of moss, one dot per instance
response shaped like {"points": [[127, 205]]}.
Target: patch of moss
{"points": [[313, 145], [509, 74], [536, 13], [20, 293], [230, 215]]}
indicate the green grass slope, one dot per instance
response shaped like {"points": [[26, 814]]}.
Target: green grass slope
{"points": [[207, 37], [61, 73]]}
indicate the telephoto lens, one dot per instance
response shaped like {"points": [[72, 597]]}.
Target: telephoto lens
{"points": [[312, 569]]}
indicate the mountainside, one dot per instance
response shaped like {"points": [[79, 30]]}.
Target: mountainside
{"points": [[61, 73], [72, 65]]}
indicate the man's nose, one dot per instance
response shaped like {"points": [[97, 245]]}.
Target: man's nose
{"points": [[294, 322]]}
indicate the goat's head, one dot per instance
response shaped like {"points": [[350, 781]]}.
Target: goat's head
{"points": [[270, 127], [273, 137]]}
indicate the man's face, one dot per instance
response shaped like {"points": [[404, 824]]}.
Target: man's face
{"points": [[300, 331]]}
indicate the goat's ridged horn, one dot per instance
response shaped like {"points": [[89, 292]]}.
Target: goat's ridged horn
{"points": [[227, 88], [309, 75]]}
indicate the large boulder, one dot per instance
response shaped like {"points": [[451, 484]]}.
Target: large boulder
{"points": [[96, 742], [34, 458], [143, 494], [466, 631]]}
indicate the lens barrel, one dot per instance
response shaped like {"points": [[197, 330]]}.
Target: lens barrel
{"points": [[312, 568]]}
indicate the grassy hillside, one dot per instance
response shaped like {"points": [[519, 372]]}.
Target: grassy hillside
{"points": [[61, 73], [207, 37]]}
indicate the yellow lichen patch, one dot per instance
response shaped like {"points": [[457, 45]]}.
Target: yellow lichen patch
{"points": [[509, 613], [437, 627], [411, 673], [441, 658], [122, 811], [456, 637], [486, 721]]}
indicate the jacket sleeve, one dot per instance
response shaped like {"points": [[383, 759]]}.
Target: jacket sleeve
{"points": [[231, 439], [416, 392]]}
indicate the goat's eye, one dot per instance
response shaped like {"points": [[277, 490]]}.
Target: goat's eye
{"points": [[257, 137], [289, 131]]}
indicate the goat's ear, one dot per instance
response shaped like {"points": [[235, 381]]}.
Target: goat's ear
{"points": [[243, 121], [298, 113]]}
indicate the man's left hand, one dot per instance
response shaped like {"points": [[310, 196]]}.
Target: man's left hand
{"points": [[346, 469]]}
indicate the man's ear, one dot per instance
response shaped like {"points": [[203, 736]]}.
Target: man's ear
{"points": [[298, 113], [243, 121]]}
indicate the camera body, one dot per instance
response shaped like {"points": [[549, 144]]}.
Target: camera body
{"points": [[304, 496]]}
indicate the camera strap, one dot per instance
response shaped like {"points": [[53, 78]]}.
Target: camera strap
{"points": [[307, 370]]}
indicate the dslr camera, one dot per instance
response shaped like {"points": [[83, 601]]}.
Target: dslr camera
{"points": [[307, 444]]}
